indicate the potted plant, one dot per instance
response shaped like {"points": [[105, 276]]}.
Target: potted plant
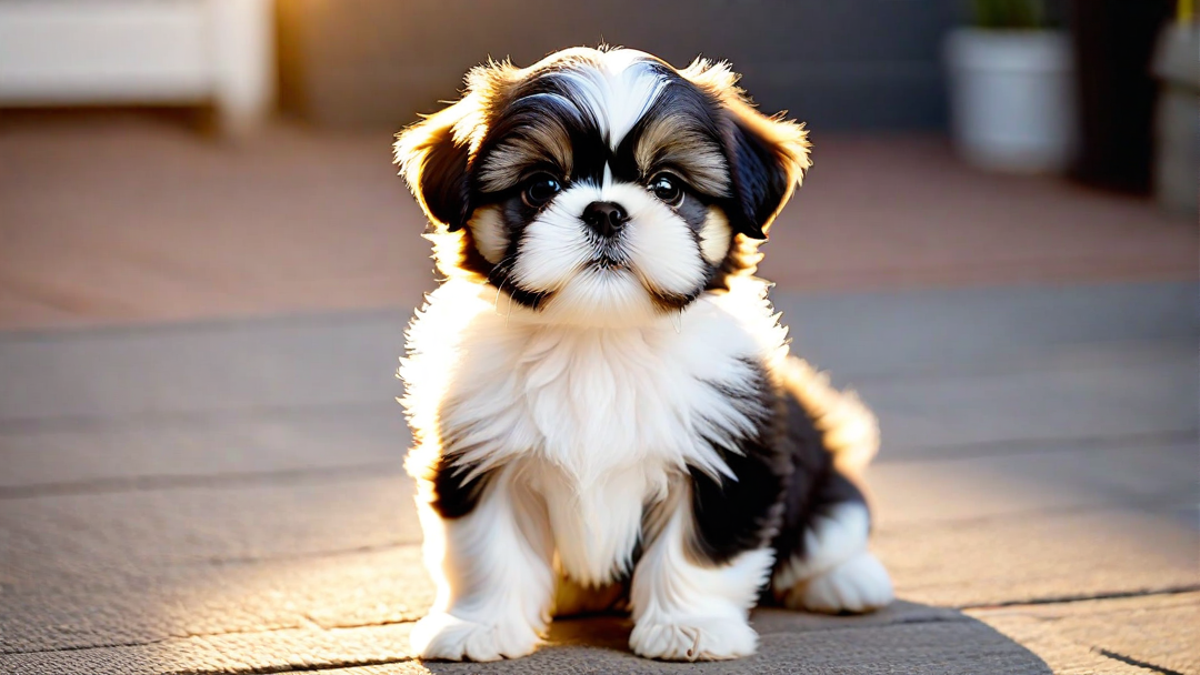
{"points": [[1012, 88]]}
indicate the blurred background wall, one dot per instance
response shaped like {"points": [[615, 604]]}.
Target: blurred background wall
{"points": [[110, 209], [850, 65], [845, 65]]}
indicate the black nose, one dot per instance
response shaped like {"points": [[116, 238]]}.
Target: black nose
{"points": [[607, 218]]}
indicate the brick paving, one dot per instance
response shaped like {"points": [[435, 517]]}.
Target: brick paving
{"points": [[116, 219]]}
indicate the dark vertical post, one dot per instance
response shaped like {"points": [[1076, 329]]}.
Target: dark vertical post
{"points": [[1114, 43]]}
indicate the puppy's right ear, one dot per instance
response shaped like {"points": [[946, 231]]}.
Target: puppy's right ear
{"points": [[433, 155], [767, 155]]}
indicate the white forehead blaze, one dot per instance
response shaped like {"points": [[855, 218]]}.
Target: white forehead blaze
{"points": [[617, 91]]}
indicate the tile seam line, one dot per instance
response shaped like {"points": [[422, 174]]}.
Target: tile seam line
{"points": [[1138, 663], [167, 418], [312, 627], [1072, 599], [165, 482], [297, 668]]}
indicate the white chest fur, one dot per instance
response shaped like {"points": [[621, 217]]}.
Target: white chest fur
{"points": [[596, 419]]}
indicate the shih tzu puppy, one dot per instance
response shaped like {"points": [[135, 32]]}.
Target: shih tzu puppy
{"points": [[604, 409]]}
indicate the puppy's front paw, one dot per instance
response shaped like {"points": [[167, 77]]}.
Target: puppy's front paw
{"points": [[445, 636], [694, 639]]}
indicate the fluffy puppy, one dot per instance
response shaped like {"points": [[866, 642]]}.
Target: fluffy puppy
{"points": [[604, 409]]}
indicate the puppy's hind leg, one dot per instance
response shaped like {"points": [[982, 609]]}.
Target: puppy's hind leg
{"points": [[494, 577], [823, 561], [832, 571]]}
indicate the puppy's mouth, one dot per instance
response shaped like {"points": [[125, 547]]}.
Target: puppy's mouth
{"points": [[606, 260], [608, 255]]}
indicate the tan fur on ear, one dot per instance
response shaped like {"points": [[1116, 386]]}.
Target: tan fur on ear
{"points": [[789, 137], [786, 139], [434, 145], [435, 153]]}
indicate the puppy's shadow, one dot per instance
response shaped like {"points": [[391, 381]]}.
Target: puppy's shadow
{"points": [[904, 638]]}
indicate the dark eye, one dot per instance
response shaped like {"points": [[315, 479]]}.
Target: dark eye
{"points": [[539, 190], [667, 188]]}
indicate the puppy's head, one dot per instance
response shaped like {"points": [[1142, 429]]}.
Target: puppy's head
{"points": [[601, 187]]}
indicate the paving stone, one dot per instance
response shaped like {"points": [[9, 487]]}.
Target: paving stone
{"points": [[342, 591], [230, 447], [1015, 408], [229, 497], [978, 561], [325, 360], [1037, 401], [889, 332], [145, 524], [1040, 557], [1154, 633], [77, 536], [1057, 476], [305, 648], [957, 532], [324, 511]]}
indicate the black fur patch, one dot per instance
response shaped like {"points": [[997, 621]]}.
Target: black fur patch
{"points": [[785, 477], [673, 302], [693, 116], [815, 484], [734, 516], [759, 178], [443, 183], [454, 495]]}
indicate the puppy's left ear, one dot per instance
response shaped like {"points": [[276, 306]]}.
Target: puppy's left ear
{"points": [[433, 156], [767, 155]]}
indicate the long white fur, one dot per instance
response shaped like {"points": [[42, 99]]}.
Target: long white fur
{"points": [[596, 423], [493, 576], [591, 410], [685, 611]]}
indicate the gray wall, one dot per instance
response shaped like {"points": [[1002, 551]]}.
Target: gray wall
{"points": [[837, 64]]}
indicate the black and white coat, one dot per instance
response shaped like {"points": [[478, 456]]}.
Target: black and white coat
{"points": [[605, 411]]}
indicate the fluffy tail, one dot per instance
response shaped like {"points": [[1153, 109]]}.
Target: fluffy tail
{"points": [[850, 429]]}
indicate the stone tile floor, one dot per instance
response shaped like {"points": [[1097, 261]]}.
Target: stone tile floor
{"points": [[223, 493], [227, 496]]}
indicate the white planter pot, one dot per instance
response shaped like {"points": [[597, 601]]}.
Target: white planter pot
{"points": [[1177, 127], [1012, 98]]}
